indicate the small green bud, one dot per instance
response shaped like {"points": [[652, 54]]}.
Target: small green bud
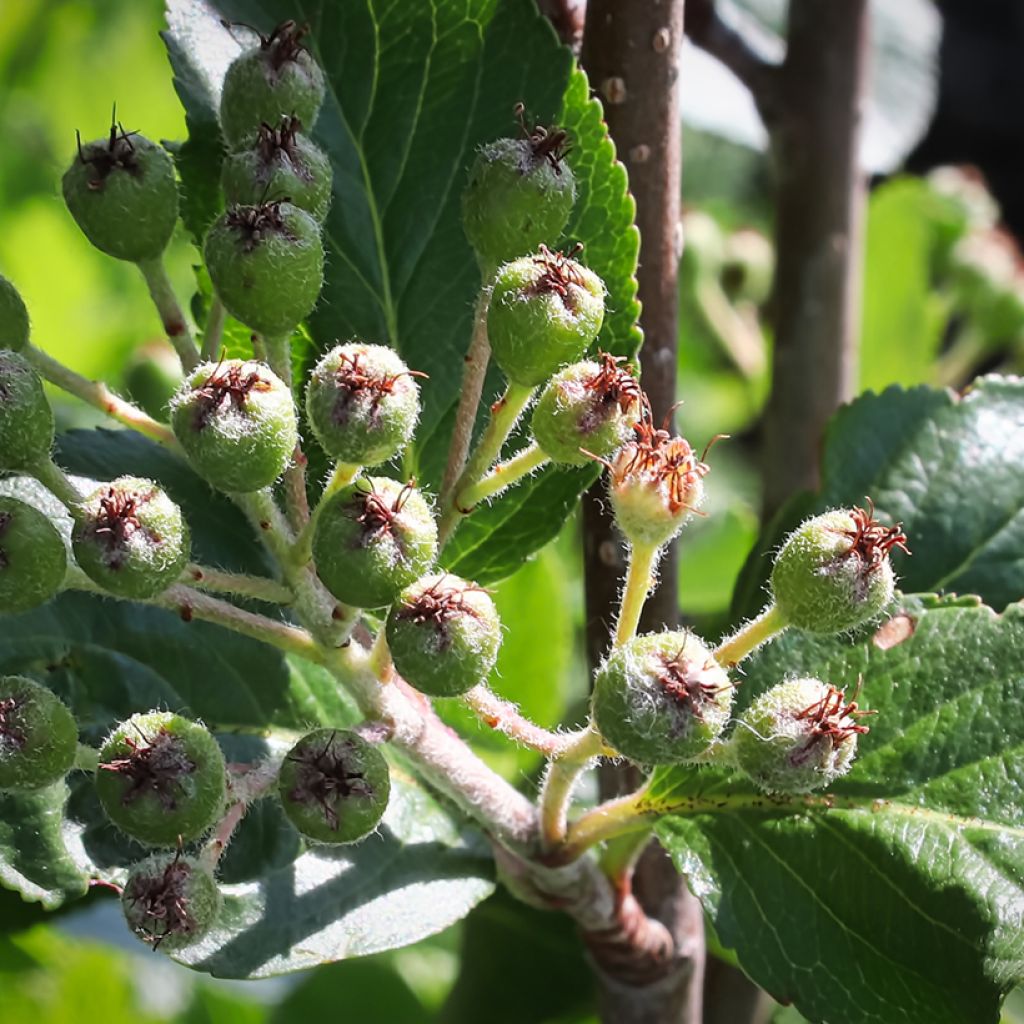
{"points": [[444, 635], [122, 193], [276, 79], [544, 312], [797, 737], [26, 419], [267, 265], [282, 162], [236, 421], [14, 325], [161, 778], [130, 538], [170, 901], [587, 410], [334, 786], [372, 539], [655, 483], [519, 195], [363, 403], [38, 735], [833, 572], [33, 558], [662, 698], [151, 378]]}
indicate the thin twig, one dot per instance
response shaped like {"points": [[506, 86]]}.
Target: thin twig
{"points": [[203, 577], [506, 718]]}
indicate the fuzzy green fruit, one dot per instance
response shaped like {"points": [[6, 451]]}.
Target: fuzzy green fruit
{"points": [[130, 538], [334, 786], [282, 162], [833, 572], [519, 195], [14, 325], [170, 901], [161, 777], [267, 265], [33, 559], [797, 737], [444, 635], [26, 419], [363, 403], [151, 378], [38, 735], [662, 698], [544, 312], [236, 422], [122, 193], [588, 409], [372, 539], [276, 79]]}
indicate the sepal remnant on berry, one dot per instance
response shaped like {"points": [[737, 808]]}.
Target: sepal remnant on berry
{"points": [[161, 778], [334, 786], [236, 421], [26, 419], [833, 572], [363, 403], [444, 635], [33, 558], [122, 192], [38, 735], [170, 901], [797, 737], [130, 538], [14, 324], [519, 195], [372, 539], [544, 311], [662, 698]]}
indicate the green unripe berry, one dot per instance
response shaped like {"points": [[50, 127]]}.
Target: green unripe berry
{"points": [[122, 193], [33, 558], [236, 421], [334, 786], [170, 901], [655, 484], [519, 195], [589, 406], [276, 79], [151, 378], [130, 538], [38, 735], [372, 539], [444, 635], [544, 312], [661, 698], [797, 737], [161, 778], [14, 325], [833, 572], [26, 419], [363, 403], [267, 265], [282, 162]]}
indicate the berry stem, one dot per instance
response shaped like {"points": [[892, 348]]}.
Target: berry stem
{"points": [[504, 474], [171, 314], [559, 781], [506, 718], [380, 658], [57, 482], [750, 636], [620, 817], [214, 331], [504, 415], [87, 759], [99, 396], [341, 476], [639, 581], [202, 577], [246, 786]]}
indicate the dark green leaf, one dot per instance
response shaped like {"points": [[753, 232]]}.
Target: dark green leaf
{"points": [[947, 467], [898, 894]]}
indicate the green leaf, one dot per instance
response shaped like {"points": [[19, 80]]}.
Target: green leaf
{"points": [[401, 124], [896, 895], [947, 467]]}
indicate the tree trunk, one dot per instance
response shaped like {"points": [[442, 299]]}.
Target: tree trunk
{"points": [[631, 54]]}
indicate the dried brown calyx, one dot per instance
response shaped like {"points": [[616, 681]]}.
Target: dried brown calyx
{"points": [[356, 380], [830, 720], [231, 384], [117, 521], [117, 155], [375, 515], [559, 273], [154, 766], [689, 684], [10, 731], [254, 223], [163, 901], [550, 144], [870, 541], [272, 142], [327, 776]]}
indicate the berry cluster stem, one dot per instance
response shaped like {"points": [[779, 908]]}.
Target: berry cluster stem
{"points": [[202, 577], [172, 316], [620, 817], [504, 475], [643, 559], [559, 781], [750, 636], [341, 476], [57, 482], [506, 718], [213, 333]]}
